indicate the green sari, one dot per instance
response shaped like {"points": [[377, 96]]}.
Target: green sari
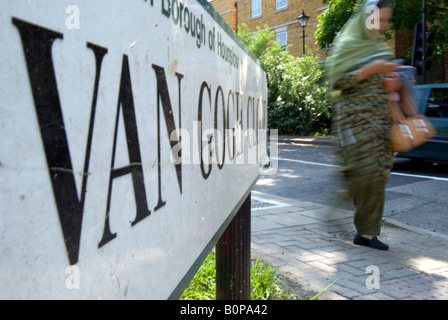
{"points": [[356, 44], [361, 120]]}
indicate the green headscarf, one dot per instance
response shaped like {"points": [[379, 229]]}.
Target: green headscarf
{"points": [[356, 45]]}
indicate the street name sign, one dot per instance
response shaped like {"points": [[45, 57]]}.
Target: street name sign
{"points": [[131, 133]]}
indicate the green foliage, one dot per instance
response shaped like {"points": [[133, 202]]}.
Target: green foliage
{"points": [[265, 284], [297, 95], [203, 285], [332, 20], [406, 15]]}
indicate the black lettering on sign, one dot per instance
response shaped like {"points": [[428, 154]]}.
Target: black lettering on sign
{"points": [[135, 168], [218, 160], [205, 174], [163, 95], [37, 43]]}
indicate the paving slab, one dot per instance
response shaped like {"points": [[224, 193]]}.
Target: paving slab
{"points": [[311, 247]]}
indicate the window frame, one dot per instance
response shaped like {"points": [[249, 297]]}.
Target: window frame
{"points": [[255, 12], [281, 33], [284, 5], [435, 105]]}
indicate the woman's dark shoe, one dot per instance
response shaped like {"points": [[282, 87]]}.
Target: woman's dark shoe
{"points": [[374, 243]]}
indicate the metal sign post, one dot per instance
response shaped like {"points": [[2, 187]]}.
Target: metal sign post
{"points": [[233, 257]]}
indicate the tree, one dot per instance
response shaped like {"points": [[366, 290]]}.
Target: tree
{"points": [[406, 15], [297, 94], [332, 20]]}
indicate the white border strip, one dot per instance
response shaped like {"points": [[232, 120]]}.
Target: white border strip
{"points": [[393, 173], [276, 204]]}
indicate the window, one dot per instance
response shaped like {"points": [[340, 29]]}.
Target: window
{"points": [[282, 38], [256, 8], [281, 4], [437, 103]]}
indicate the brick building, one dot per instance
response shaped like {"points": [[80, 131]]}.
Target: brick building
{"points": [[279, 15]]}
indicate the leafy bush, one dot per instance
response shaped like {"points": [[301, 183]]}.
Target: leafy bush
{"points": [[297, 95]]}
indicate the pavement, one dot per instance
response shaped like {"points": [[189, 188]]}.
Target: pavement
{"points": [[311, 246]]}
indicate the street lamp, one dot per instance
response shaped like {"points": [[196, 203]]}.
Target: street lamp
{"points": [[303, 21]]}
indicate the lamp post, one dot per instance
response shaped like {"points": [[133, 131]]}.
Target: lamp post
{"points": [[303, 21], [424, 11]]}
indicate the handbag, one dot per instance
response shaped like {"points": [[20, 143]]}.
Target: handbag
{"points": [[409, 128]]}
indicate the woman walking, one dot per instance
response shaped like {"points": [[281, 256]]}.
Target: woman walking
{"points": [[358, 64]]}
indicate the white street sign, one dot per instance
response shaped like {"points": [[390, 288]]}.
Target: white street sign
{"points": [[131, 132]]}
